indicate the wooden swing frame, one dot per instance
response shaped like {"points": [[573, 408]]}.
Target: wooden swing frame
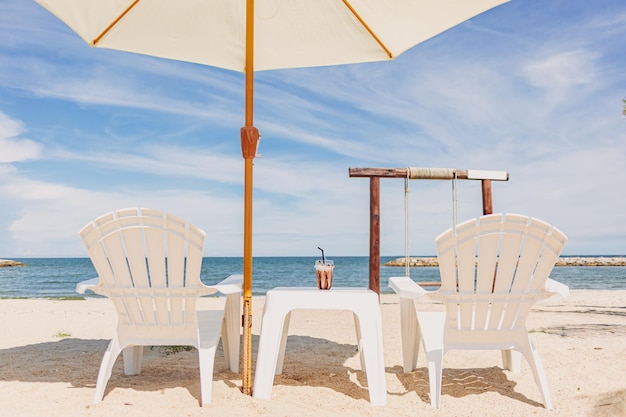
{"points": [[375, 174]]}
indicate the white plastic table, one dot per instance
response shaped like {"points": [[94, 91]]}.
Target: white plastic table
{"points": [[279, 303]]}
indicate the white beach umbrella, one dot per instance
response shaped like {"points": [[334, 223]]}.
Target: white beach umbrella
{"points": [[244, 35]]}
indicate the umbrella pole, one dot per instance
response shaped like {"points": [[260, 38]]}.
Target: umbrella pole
{"points": [[246, 351], [249, 143]]}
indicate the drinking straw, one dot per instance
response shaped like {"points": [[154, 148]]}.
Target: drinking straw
{"points": [[323, 259]]}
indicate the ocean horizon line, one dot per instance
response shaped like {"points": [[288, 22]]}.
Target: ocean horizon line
{"points": [[310, 256]]}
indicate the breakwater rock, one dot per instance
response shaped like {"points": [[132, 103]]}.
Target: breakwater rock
{"points": [[564, 261], [591, 261], [6, 262], [413, 262]]}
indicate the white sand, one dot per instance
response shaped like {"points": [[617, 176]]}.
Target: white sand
{"points": [[50, 352]]}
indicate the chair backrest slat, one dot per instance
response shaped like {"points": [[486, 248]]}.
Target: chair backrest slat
{"points": [[156, 256], [133, 244], [194, 256], [176, 250], [112, 244], [488, 254], [510, 247], [447, 263]]}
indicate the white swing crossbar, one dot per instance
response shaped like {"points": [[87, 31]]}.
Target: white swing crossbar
{"points": [[475, 174]]}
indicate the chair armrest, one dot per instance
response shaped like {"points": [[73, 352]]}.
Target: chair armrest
{"points": [[405, 287], [556, 287], [89, 284], [230, 285]]}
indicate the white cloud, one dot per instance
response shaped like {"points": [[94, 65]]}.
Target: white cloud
{"points": [[168, 161], [46, 217], [14, 148], [561, 72]]}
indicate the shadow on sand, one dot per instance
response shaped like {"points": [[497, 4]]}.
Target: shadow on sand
{"points": [[77, 361], [462, 382]]}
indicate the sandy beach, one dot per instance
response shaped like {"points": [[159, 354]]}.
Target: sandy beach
{"points": [[50, 352]]}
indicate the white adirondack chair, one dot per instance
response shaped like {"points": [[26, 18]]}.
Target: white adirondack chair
{"points": [[493, 269], [148, 264]]}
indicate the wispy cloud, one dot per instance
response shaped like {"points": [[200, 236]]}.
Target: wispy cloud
{"points": [[562, 72], [14, 148]]}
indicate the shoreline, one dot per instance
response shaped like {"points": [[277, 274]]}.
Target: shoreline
{"points": [[418, 261]]}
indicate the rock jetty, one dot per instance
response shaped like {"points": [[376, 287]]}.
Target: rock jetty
{"points": [[564, 261], [413, 262], [6, 262]]}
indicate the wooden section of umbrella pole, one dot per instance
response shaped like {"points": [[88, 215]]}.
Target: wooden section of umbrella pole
{"points": [[249, 140], [249, 144], [415, 173]]}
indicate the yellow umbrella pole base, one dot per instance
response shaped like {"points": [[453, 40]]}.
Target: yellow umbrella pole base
{"points": [[246, 351]]}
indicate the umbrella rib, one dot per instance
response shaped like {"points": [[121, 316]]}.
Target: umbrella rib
{"points": [[113, 23], [370, 31]]}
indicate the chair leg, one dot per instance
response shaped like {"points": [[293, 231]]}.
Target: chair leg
{"points": [[206, 360], [435, 375], [532, 356], [432, 329], [511, 360], [410, 334], [209, 329], [133, 356], [106, 366]]}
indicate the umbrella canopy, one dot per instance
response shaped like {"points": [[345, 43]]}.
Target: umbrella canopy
{"points": [[244, 35], [287, 33]]}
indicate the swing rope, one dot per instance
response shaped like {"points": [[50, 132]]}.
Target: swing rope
{"points": [[455, 199], [407, 259]]}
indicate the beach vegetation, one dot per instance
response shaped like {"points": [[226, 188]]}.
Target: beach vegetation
{"points": [[68, 298], [62, 334], [171, 350]]}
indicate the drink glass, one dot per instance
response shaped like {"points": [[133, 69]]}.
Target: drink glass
{"points": [[324, 273]]}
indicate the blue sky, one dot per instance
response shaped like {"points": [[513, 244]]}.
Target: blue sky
{"points": [[532, 87]]}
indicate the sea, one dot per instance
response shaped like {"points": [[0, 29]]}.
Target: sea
{"points": [[57, 277]]}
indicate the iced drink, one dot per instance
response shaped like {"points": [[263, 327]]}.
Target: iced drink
{"points": [[324, 274]]}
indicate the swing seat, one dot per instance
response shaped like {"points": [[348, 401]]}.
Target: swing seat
{"points": [[493, 269]]}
